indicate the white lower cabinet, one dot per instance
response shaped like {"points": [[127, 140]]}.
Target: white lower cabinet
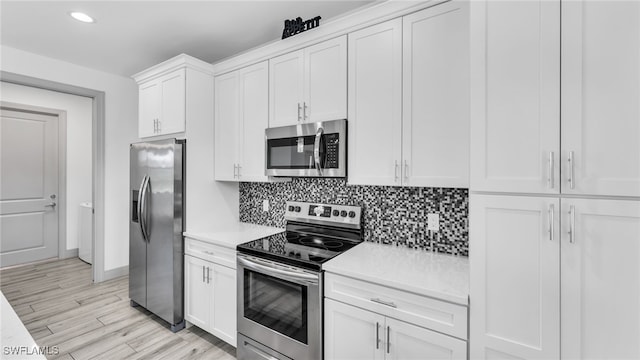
{"points": [[554, 278], [210, 289], [371, 321]]}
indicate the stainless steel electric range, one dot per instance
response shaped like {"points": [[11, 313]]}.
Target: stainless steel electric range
{"points": [[280, 281]]}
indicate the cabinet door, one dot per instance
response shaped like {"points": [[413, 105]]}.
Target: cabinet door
{"points": [[173, 112], [149, 97], [197, 292], [254, 97], [325, 85], [286, 88], [514, 277], [406, 341], [224, 306], [435, 127], [227, 119], [351, 333], [600, 279], [515, 96], [600, 96], [375, 104]]}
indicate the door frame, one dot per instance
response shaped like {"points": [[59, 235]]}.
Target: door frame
{"points": [[61, 201], [98, 156]]}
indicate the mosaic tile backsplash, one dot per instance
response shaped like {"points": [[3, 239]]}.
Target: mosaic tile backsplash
{"points": [[391, 215]]}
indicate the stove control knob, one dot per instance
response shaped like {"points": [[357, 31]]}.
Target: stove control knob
{"points": [[352, 214], [291, 207], [297, 209], [291, 253], [298, 255], [336, 212], [343, 213]]}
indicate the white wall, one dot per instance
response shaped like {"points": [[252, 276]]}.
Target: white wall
{"points": [[121, 112], [79, 115]]}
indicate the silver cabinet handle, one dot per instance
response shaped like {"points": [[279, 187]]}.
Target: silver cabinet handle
{"points": [[377, 335], [550, 171], [550, 213], [239, 171], [51, 204], [203, 273], [395, 172], [299, 108], [572, 224], [572, 180], [388, 342], [234, 170], [387, 303], [159, 125], [208, 275], [154, 126], [406, 171], [304, 112], [208, 252]]}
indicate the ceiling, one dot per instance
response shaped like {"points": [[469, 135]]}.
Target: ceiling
{"points": [[130, 36]]}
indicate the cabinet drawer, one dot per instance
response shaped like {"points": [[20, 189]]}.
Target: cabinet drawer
{"points": [[420, 310], [216, 254]]}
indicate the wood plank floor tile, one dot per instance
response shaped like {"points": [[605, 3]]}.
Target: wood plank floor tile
{"points": [[62, 308]]}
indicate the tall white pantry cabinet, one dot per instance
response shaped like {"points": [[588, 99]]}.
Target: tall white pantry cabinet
{"points": [[555, 179]]}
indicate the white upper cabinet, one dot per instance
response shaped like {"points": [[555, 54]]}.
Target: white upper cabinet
{"points": [[515, 96], [600, 270], [514, 277], [241, 117], [408, 100], [601, 97], [375, 104], [170, 95], [517, 53], [309, 84], [227, 125], [286, 88], [254, 110], [435, 81], [162, 105], [325, 86]]}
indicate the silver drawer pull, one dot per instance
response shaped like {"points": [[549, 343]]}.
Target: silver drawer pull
{"points": [[387, 303], [208, 252]]}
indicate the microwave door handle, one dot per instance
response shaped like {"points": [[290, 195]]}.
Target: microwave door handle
{"points": [[316, 150]]}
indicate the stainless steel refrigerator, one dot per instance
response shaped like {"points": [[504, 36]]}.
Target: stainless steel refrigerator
{"points": [[155, 229]]}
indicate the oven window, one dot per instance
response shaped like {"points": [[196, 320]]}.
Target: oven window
{"points": [[277, 304]]}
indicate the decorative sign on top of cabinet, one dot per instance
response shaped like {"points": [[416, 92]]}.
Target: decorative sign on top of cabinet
{"points": [[309, 85], [163, 92], [523, 139], [241, 116], [408, 103]]}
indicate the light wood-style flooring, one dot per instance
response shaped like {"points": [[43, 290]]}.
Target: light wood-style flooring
{"points": [[61, 307]]}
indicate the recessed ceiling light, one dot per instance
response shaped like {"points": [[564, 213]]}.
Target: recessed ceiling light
{"points": [[80, 16]]}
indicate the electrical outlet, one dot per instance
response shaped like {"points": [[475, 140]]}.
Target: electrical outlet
{"points": [[433, 222], [265, 205]]}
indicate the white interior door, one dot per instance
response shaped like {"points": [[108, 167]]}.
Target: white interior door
{"points": [[28, 195]]}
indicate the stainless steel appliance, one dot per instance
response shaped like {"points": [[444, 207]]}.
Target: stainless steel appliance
{"points": [[155, 229], [314, 149], [280, 281]]}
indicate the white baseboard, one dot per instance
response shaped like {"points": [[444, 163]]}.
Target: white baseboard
{"points": [[114, 273]]}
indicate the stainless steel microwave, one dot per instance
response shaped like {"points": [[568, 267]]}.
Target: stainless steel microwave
{"points": [[312, 149]]}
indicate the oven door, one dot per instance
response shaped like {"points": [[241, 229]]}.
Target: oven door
{"points": [[280, 306], [313, 149]]}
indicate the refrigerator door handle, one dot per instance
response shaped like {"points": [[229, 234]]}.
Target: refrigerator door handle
{"points": [[142, 214]]}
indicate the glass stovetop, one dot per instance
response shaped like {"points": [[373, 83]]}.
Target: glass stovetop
{"points": [[307, 251]]}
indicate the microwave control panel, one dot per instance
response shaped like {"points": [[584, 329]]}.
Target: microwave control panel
{"points": [[331, 157]]}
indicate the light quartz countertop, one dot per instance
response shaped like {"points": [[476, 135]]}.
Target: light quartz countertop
{"points": [[436, 275], [233, 234], [16, 341]]}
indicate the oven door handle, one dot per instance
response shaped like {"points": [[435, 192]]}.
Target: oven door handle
{"points": [[279, 272], [316, 150]]}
